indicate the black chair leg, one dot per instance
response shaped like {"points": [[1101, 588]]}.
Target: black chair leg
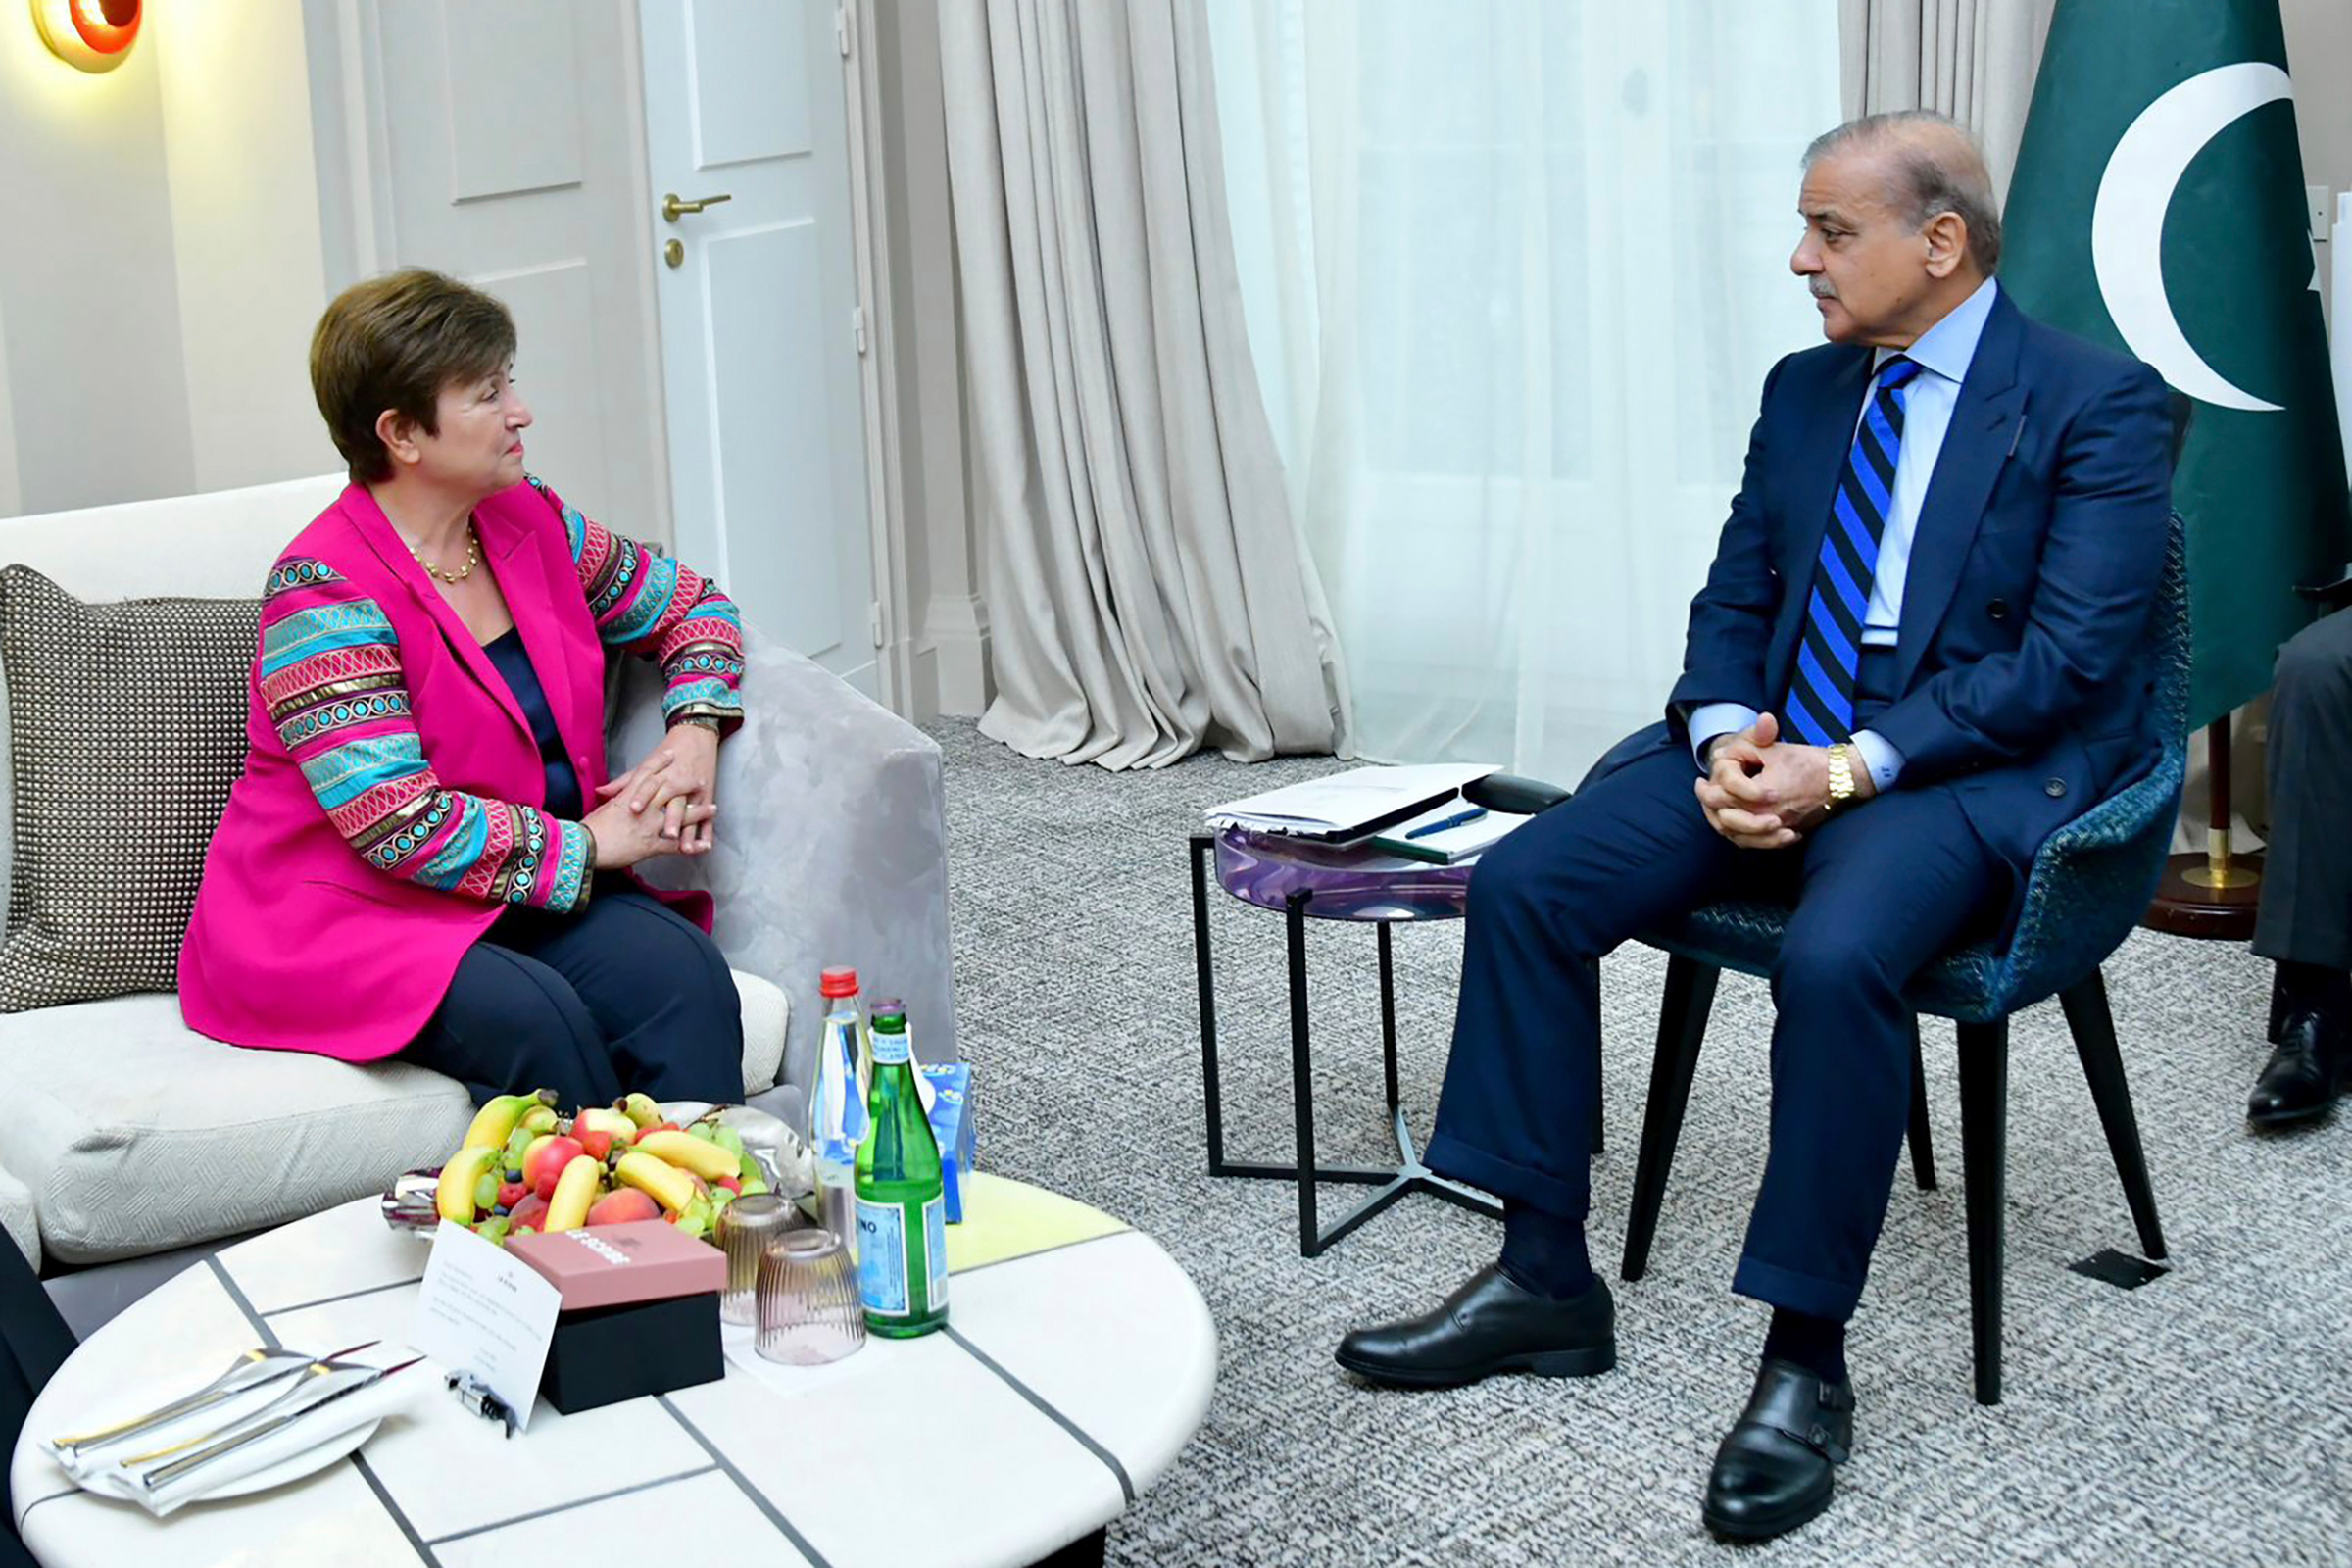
{"points": [[1922, 1142], [1983, 1174], [2094, 1028], [1682, 1025]]}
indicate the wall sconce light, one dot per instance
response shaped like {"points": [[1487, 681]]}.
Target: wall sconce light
{"points": [[88, 34]]}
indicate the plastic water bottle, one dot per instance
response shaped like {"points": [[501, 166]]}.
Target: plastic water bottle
{"points": [[902, 1197], [837, 1115]]}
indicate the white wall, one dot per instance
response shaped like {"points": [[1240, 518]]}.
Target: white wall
{"points": [[245, 234], [160, 273], [95, 391], [948, 672], [2319, 54]]}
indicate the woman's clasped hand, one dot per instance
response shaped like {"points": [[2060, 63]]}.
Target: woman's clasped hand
{"points": [[664, 806]]}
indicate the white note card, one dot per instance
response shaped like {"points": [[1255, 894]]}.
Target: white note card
{"points": [[484, 1311]]}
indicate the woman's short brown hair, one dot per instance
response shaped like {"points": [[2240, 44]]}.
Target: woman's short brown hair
{"points": [[394, 342]]}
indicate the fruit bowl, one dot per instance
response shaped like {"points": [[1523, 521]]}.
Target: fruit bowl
{"points": [[765, 1142]]}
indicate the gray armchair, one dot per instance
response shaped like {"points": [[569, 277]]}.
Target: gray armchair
{"points": [[831, 846]]}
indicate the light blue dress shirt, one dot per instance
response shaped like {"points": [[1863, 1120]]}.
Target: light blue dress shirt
{"points": [[1944, 353]]}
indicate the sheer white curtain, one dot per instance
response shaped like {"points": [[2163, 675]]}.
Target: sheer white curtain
{"points": [[1514, 271]]}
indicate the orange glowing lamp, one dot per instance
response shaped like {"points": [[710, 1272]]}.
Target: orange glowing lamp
{"points": [[88, 34]]}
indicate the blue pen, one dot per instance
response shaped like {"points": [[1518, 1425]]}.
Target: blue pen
{"points": [[1445, 822]]}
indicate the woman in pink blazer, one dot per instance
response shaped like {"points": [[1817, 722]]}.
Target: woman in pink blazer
{"points": [[410, 866]]}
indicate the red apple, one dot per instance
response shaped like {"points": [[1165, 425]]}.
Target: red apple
{"points": [[511, 1193], [622, 1207], [542, 1169], [595, 1141], [660, 1127], [732, 1183], [531, 1211]]}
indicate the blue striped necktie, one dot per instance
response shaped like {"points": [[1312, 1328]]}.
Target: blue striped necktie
{"points": [[1820, 710]]}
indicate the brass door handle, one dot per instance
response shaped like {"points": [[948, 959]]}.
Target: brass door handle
{"points": [[673, 208]]}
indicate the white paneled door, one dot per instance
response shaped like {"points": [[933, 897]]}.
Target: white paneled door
{"points": [[755, 277], [488, 145]]}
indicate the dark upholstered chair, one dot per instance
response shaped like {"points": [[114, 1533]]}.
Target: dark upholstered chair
{"points": [[2091, 882]]}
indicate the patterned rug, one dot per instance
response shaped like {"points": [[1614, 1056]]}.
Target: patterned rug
{"points": [[2205, 1418]]}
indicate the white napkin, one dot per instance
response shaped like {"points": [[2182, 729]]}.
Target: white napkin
{"points": [[104, 1472]]}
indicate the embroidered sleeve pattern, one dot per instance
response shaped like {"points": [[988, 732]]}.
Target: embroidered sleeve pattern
{"points": [[330, 676], [651, 606]]}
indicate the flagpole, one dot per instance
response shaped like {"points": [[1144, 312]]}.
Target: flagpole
{"points": [[2213, 894]]}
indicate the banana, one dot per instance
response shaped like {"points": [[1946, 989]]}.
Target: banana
{"points": [[495, 1122], [575, 1192], [639, 1108], [453, 1195], [658, 1179], [687, 1153]]}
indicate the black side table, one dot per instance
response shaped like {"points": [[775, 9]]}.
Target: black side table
{"points": [[1305, 880]]}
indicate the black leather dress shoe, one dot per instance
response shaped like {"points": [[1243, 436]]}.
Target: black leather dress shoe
{"points": [[1776, 1466], [1490, 1325], [2305, 1073]]}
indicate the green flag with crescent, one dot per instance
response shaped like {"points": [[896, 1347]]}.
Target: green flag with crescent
{"points": [[2158, 207]]}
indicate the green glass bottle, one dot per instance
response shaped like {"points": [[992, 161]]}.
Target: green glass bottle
{"points": [[902, 1199]]}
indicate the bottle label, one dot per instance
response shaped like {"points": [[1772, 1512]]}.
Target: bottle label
{"points": [[935, 1245], [882, 1284], [839, 1121], [884, 1278], [892, 1048]]}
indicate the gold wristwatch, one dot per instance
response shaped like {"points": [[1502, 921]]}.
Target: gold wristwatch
{"points": [[1841, 776]]}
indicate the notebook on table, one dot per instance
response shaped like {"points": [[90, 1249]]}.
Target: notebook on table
{"points": [[1349, 805], [1451, 831]]}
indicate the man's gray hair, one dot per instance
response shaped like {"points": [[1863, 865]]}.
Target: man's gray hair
{"points": [[1939, 169]]}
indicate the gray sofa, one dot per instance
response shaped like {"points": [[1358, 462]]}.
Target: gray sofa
{"points": [[129, 1134]]}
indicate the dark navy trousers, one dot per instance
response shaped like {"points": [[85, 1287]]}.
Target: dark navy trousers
{"points": [[1880, 888], [628, 995]]}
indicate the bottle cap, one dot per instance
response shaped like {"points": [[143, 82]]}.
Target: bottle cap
{"points": [[886, 1007], [838, 982]]}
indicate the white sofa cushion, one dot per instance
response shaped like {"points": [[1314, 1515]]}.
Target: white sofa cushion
{"points": [[18, 1219], [136, 1134]]}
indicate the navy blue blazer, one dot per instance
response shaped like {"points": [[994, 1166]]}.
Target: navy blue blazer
{"points": [[2022, 661]]}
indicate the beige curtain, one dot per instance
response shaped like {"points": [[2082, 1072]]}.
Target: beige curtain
{"points": [[1148, 591], [1973, 60]]}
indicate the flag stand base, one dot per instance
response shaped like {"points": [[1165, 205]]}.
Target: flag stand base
{"points": [[2212, 893], [2188, 904]]}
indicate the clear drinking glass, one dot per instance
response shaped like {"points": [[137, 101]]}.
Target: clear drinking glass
{"points": [[807, 1300], [746, 1228]]}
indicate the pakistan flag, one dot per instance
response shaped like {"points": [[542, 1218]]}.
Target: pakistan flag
{"points": [[2158, 207]]}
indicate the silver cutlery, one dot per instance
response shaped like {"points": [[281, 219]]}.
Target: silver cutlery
{"points": [[251, 1370], [246, 1432], [302, 1393]]}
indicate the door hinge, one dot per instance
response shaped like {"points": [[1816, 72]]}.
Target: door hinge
{"points": [[858, 325], [873, 621], [841, 30]]}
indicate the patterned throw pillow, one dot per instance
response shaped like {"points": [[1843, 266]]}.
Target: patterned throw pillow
{"points": [[127, 727]]}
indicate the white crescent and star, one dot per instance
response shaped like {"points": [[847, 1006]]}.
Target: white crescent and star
{"points": [[2126, 220]]}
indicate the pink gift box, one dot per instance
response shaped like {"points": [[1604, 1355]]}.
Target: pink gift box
{"points": [[607, 1265]]}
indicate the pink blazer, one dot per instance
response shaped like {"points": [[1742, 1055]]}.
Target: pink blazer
{"points": [[391, 802]]}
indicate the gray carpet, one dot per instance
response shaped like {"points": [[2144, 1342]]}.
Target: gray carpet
{"points": [[2205, 1418]]}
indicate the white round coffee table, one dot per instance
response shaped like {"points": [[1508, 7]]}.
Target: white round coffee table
{"points": [[1078, 1359]]}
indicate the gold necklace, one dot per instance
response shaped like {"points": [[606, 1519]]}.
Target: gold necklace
{"points": [[473, 558]]}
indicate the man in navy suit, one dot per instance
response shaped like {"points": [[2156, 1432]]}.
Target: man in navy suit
{"points": [[1912, 660]]}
